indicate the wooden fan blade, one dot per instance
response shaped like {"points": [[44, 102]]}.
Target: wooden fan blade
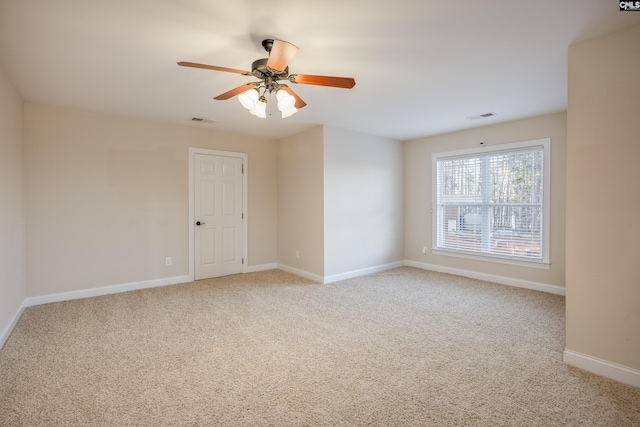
{"points": [[305, 79], [281, 54], [214, 68], [236, 91], [299, 102]]}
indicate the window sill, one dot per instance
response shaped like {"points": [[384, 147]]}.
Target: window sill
{"points": [[494, 258]]}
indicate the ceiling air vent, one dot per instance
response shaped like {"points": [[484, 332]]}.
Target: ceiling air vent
{"points": [[481, 116], [201, 120]]}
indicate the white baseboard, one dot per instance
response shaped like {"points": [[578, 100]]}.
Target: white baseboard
{"points": [[14, 321], [262, 267], [341, 276], [519, 283], [603, 368], [301, 273], [362, 272], [105, 290]]}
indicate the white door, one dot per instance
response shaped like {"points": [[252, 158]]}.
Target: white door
{"points": [[218, 216]]}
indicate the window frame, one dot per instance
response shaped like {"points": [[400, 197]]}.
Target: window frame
{"points": [[544, 263]]}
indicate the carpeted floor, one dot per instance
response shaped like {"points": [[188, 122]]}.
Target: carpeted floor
{"points": [[404, 347]]}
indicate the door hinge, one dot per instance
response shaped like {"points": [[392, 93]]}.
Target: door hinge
{"points": [[243, 260], [243, 168], [242, 215]]}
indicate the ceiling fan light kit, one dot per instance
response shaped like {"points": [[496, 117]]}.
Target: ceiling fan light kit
{"points": [[249, 98], [260, 108], [286, 103], [271, 71]]}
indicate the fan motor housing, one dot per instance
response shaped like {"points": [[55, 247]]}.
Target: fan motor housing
{"points": [[260, 70]]}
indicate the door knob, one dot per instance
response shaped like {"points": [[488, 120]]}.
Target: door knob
{"points": [[200, 223]]}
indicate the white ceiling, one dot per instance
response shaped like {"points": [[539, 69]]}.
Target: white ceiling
{"points": [[421, 66]]}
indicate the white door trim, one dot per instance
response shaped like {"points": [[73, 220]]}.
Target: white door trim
{"points": [[245, 159]]}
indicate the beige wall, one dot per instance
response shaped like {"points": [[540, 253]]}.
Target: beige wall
{"points": [[603, 198], [106, 198], [12, 282], [418, 193], [300, 202], [363, 201]]}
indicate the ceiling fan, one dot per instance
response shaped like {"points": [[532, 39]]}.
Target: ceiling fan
{"points": [[271, 71]]}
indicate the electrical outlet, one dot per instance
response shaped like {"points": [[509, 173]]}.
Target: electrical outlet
{"points": [[297, 254], [424, 249], [168, 261]]}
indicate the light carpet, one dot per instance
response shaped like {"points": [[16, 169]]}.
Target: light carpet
{"points": [[405, 347]]}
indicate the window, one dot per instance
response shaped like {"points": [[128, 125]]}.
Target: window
{"points": [[493, 202]]}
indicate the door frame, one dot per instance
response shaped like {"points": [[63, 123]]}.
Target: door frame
{"points": [[245, 238]]}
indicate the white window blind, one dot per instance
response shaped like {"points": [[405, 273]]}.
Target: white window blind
{"points": [[492, 202]]}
